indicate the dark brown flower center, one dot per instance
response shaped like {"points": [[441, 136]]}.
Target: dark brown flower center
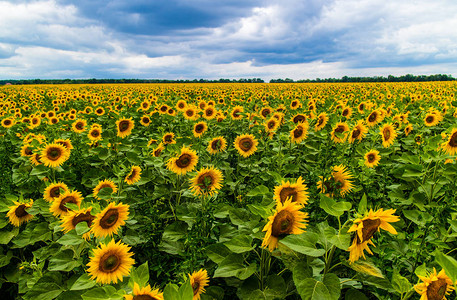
{"points": [[340, 129], [110, 218], [298, 132], [163, 108], [34, 121], [181, 105], [168, 138], [99, 111], [205, 181], [7, 122], [386, 134], [271, 124], [195, 287], [436, 290], [86, 217], [95, 133], [54, 120], [216, 144], [68, 199], [132, 174], [55, 192], [265, 112], [109, 262], [146, 120], [372, 117], [79, 125], [371, 157], [54, 153], [144, 297], [184, 161], [282, 224], [189, 113], [287, 192], [369, 229], [246, 144], [209, 112], [28, 151], [124, 125], [430, 119], [199, 128], [453, 140], [20, 211], [355, 133], [345, 112], [320, 121], [157, 152], [299, 118], [236, 113]]}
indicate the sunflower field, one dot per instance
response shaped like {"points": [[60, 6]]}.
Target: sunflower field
{"points": [[228, 191]]}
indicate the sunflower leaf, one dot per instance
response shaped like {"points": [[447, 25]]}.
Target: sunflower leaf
{"points": [[366, 267], [332, 207], [240, 244], [83, 283], [81, 228], [171, 292], [400, 283], [140, 275], [63, 261], [448, 263], [304, 243], [185, 291], [103, 293]]}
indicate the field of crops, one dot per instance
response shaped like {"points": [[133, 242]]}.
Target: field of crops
{"points": [[227, 191]]}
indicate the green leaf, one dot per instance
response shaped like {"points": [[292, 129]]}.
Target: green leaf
{"points": [[83, 283], [232, 265], [400, 283], [311, 289], [363, 204], [448, 263], [353, 294], [43, 291], [366, 267], [71, 239], [33, 233], [258, 191], [332, 283], [71, 206], [103, 293], [217, 252], [132, 157], [105, 193], [140, 275], [240, 244], [213, 293], [341, 241], [185, 291], [63, 261], [81, 228], [171, 292], [5, 259], [304, 243], [421, 270], [38, 170], [6, 236], [332, 207], [175, 231], [276, 287]]}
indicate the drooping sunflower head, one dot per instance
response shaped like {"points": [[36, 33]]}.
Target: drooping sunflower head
{"points": [[110, 262], [104, 184], [184, 162], [246, 144], [206, 182], [124, 127], [296, 192], [198, 280], [157, 150], [169, 138], [64, 142], [17, 213], [133, 176], [434, 286], [338, 183], [322, 120], [408, 129], [450, 146], [216, 145], [145, 293], [388, 135], [358, 132], [299, 133], [54, 155], [236, 112], [288, 219], [339, 132], [58, 207], [109, 220], [373, 118], [199, 129], [73, 218], [54, 190], [372, 158]]}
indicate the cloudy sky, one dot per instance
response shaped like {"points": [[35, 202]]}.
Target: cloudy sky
{"points": [[187, 39]]}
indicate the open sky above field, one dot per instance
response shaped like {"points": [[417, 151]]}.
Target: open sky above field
{"points": [[181, 39]]}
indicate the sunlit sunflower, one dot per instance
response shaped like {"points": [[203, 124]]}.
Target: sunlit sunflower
{"points": [[18, 214], [209, 113], [236, 112], [297, 192], [388, 135], [124, 127], [347, 112], [434, 286], [366, 227], [373, 118], [299, 133], [358, 132], [265, 111], [145, 121], [73, 218], [145, 293], [299, 118], [322, 120], [199, 129], [217, 145], [26, 150], [169, 138], [271, 125], [191, 112], [104, 184], [372, 158], [246, 144], [64, 142], [110, 262], [198, 280], [95, 133], [35, 159], [338, 183], [54, 155], [53, 191], [184, 162], [7, 122], [58, 207], [181, 105], [157, 150], [340, 132], [288, 219], [450, 146], [79, 126], [206, 182], [108, 221], [408, 129], [133, 176]]}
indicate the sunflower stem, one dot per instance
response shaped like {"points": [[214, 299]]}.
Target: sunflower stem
{"points": [[328, 261]]}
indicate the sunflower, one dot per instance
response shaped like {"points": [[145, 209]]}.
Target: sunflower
{"points": [[288, 219], [373, 118], [388, 135], [338, 183], [236, 112], [17, 213], [184, 162], [358, 132], [7, 122], [110, 262], [99, 111], [265, 111], [66, 143], [216, 145], [322, 120], [450, 146], [58, 207], [124, 127], [133, 176], [95, 133], [246, 144], [35, 159], [157, 150], [181, 105], [79, 126], [190, 112], [108, 221], [271, 125], [299, 133], [199, 129], [372, 158], [26, 150], [295, 191], [104, 184], [347, 112], [145, 121], [52, 191], [206, 182], [408, 129], [366, 227], [198, 280], [73, 218], [434, 286], [145, 293], [54, 155], [339, 132], [169, 138], [209, 113]]}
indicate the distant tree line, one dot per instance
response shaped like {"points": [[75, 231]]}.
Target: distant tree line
{"points": [[93, 80], [390, 78]]}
